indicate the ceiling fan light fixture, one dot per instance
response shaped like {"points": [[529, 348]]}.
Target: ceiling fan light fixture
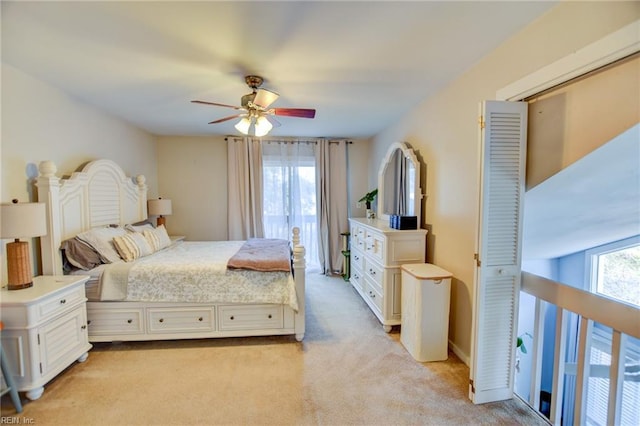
{"points": [[243, 125], [263, 126]]}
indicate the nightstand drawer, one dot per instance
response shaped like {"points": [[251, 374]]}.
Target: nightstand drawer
{"points": [[242, 317], [169, 320], [61, 303]]}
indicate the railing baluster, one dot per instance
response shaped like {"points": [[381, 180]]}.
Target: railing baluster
{"points": [[583, 370], [536, 356], [558, 365], [616, 377]]}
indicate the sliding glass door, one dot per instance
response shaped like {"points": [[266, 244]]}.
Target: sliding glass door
{"points": [[289, 185]]}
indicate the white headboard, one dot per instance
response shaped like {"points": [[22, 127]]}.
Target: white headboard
{"points": [[99, 195]]}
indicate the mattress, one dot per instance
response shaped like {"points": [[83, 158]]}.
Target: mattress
{"points": [[190, 272]]}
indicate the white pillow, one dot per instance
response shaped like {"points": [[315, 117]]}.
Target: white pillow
{"points": [[138, 228], [157, 238], [131, 246], [101, 239]]}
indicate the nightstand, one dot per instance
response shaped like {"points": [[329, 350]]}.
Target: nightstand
{"points": [[45, 330]]}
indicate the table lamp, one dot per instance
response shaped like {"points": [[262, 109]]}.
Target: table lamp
{"points": [[161, 208], [21, 220]]}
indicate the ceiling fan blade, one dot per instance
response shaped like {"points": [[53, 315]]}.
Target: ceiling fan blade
{"points": [[265, 97], [273, 121], [295, 112], [216, 104], [226, 119]]}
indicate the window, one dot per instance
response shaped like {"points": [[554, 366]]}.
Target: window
{"points": [[615, 270]]}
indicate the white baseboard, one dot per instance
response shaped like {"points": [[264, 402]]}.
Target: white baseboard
{"points": [[459, 353]]}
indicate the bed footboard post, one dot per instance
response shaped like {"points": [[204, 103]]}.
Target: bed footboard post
{"points": [[299, 267], [48, 185]]}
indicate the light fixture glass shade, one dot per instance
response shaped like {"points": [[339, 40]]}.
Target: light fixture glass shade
{"points": [[23, 220], [159, 207], [263, 126], [243, 126]]}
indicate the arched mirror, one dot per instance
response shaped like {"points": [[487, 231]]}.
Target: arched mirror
{"points": [[399, 189]]}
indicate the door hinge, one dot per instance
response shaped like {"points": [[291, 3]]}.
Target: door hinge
{"points": [[473, 388], [481, 122], [40, 368], [476, 257], [38, 338]]}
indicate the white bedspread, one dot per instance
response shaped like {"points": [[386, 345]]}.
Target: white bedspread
{"points": [[195, 272]]}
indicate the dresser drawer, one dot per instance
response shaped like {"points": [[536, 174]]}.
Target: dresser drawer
{"points": [[357, 260], [61, 302], [240, 317], [115, 321], [374, 246], [374, 296], [356, 278], [183, 319], [375, 275]]}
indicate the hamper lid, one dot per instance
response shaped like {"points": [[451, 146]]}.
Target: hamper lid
{"points": [[427, 271]]}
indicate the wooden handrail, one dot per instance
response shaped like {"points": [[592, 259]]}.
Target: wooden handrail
{"points": [[619, 316]]}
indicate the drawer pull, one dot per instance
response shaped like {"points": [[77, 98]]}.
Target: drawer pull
{"points": [[270, 316], [84, 327], [231, 318], [89, 322], [200, 319], [372, 295], [129, 321], [372, 272], [63, 301], [161, 320]]}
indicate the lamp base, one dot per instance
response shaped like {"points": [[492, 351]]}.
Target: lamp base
{"points": [[160, 221], [19, 265]]}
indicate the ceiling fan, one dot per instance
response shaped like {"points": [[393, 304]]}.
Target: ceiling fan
{"points": [[256, 111]]}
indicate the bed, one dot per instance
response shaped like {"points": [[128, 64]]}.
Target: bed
{"points": [[254, 302]]}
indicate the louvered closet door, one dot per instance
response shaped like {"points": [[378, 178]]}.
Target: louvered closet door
{"points": [[497, 281]]}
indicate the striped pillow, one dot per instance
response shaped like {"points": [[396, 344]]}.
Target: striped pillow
{"points": [[157, 238], [131, 246]]}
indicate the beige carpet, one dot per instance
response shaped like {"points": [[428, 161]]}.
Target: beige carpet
{"points": [[347, 371]]}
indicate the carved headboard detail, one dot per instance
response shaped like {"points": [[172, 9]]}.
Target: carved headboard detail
{"points": [[98, 195]]}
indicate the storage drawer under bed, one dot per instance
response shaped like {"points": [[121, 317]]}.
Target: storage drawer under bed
{"points": [[246, 317], [115, 321], [183, 319]]}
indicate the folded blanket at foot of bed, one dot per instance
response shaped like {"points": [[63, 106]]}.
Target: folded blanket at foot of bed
{"points": [[262, 254]]}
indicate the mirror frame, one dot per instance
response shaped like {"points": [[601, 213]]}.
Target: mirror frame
{"points": [[410, 155]]}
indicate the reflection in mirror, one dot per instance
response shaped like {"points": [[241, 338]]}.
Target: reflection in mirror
{"points": [[399, 186]]}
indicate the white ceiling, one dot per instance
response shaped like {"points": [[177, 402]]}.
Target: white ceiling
{"points": [[594, 201], [361, 65]]}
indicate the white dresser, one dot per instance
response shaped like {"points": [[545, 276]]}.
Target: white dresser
{"points": [[377, 252], [45, 329]]}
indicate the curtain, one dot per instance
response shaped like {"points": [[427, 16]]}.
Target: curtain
{"points": [[331, 175], [244, 168], [289, 175]]}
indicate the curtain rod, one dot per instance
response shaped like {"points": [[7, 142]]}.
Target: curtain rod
{"points": [[307, 141]]}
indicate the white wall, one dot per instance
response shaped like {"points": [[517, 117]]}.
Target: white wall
{"points": [[192, 172], [40, 122], [443, 130]]}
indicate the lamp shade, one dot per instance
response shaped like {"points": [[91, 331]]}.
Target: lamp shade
{"points": [[18, 220], [243, 126], [159, 207], [262, 126]]}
